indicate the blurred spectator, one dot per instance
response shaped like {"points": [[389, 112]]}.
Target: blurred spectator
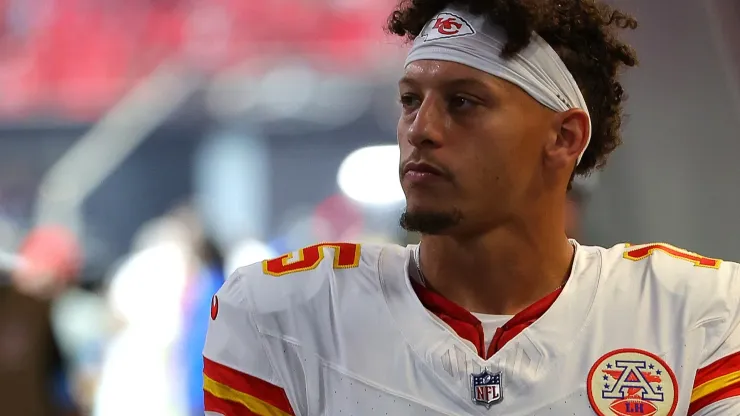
{"points": [[32, 372], [146, 293], [196, 310]]}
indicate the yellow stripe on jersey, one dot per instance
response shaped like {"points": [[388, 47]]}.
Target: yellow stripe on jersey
{"points": [[713, 385], [252, 403]]}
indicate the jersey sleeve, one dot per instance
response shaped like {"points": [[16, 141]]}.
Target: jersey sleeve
{"points": [[716, 388], [238, 378]]}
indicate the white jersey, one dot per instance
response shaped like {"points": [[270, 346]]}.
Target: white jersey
{"points": [[338, 329]]}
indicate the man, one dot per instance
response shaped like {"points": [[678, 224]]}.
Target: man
{"points": [[496, 311]]}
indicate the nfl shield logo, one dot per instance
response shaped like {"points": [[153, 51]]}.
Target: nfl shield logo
{"points": [[486, 388]]}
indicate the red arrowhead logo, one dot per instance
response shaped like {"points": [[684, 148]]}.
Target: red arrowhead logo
{"points": [[447, 25], [214, 307]]}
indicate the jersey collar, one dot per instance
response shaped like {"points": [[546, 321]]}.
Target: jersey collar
{"points": [[467, 326], [551, 323]]}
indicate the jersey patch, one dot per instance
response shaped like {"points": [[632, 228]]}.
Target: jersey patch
{"points": [[632, 382], [486, 388]]}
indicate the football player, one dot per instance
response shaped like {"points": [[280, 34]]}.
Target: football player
{"points": [[496, 311]]}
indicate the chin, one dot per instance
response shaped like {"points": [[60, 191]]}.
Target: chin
{"points": [[420, 202]]}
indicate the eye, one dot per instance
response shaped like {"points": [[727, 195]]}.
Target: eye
{"points": [[409, 101], [458, 102]]}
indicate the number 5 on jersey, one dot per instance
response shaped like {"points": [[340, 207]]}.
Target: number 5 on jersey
{"points": [[346, 256]]}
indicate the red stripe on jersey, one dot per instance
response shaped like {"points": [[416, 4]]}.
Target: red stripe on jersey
{"points": [[721, 367], [247, 384], [717, 381], [732, 390]]}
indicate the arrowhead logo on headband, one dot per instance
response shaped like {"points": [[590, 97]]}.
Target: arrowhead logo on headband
{"points": [[447, 25]]}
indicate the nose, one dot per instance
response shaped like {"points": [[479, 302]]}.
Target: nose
{"points": [[427, 128]]}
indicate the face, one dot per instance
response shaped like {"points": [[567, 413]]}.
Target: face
{"points": [[471, 147]]}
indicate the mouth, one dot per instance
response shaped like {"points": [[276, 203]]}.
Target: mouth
{"points": [[420, 173], [421, 168]]}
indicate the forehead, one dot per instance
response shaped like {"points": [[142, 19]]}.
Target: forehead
{"points": [[436, 73]]}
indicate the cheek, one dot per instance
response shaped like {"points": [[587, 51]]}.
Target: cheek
{"points": [[494, 157], [401, 132], [482, 170], [404, 147]]}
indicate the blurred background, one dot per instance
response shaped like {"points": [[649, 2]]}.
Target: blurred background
{"points": [[149, 147]]}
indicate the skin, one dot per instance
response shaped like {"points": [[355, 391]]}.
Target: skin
{"points": [[573, 217], [505, 162]]}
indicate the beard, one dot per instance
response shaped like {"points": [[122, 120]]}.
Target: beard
{"points": [[429, 222]]}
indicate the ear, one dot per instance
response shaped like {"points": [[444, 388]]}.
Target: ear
{"points": [[572, 129]]}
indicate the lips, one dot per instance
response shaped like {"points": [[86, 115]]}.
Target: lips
{"points": [[421, 167]]}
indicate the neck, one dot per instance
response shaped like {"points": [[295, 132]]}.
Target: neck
{"points": [[502, 271]]}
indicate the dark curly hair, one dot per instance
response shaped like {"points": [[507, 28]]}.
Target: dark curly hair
{"points": [[582, 32]]}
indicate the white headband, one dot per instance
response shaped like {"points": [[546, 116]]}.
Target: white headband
{"points": [[457, 36]]}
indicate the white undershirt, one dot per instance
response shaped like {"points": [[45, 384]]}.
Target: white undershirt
{"points": [[490, 324]]}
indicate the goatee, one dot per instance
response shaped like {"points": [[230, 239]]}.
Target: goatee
{"points": [[429, 222]]}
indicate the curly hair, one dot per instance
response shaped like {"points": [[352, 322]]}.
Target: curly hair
{"points": [[582, 32]]}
